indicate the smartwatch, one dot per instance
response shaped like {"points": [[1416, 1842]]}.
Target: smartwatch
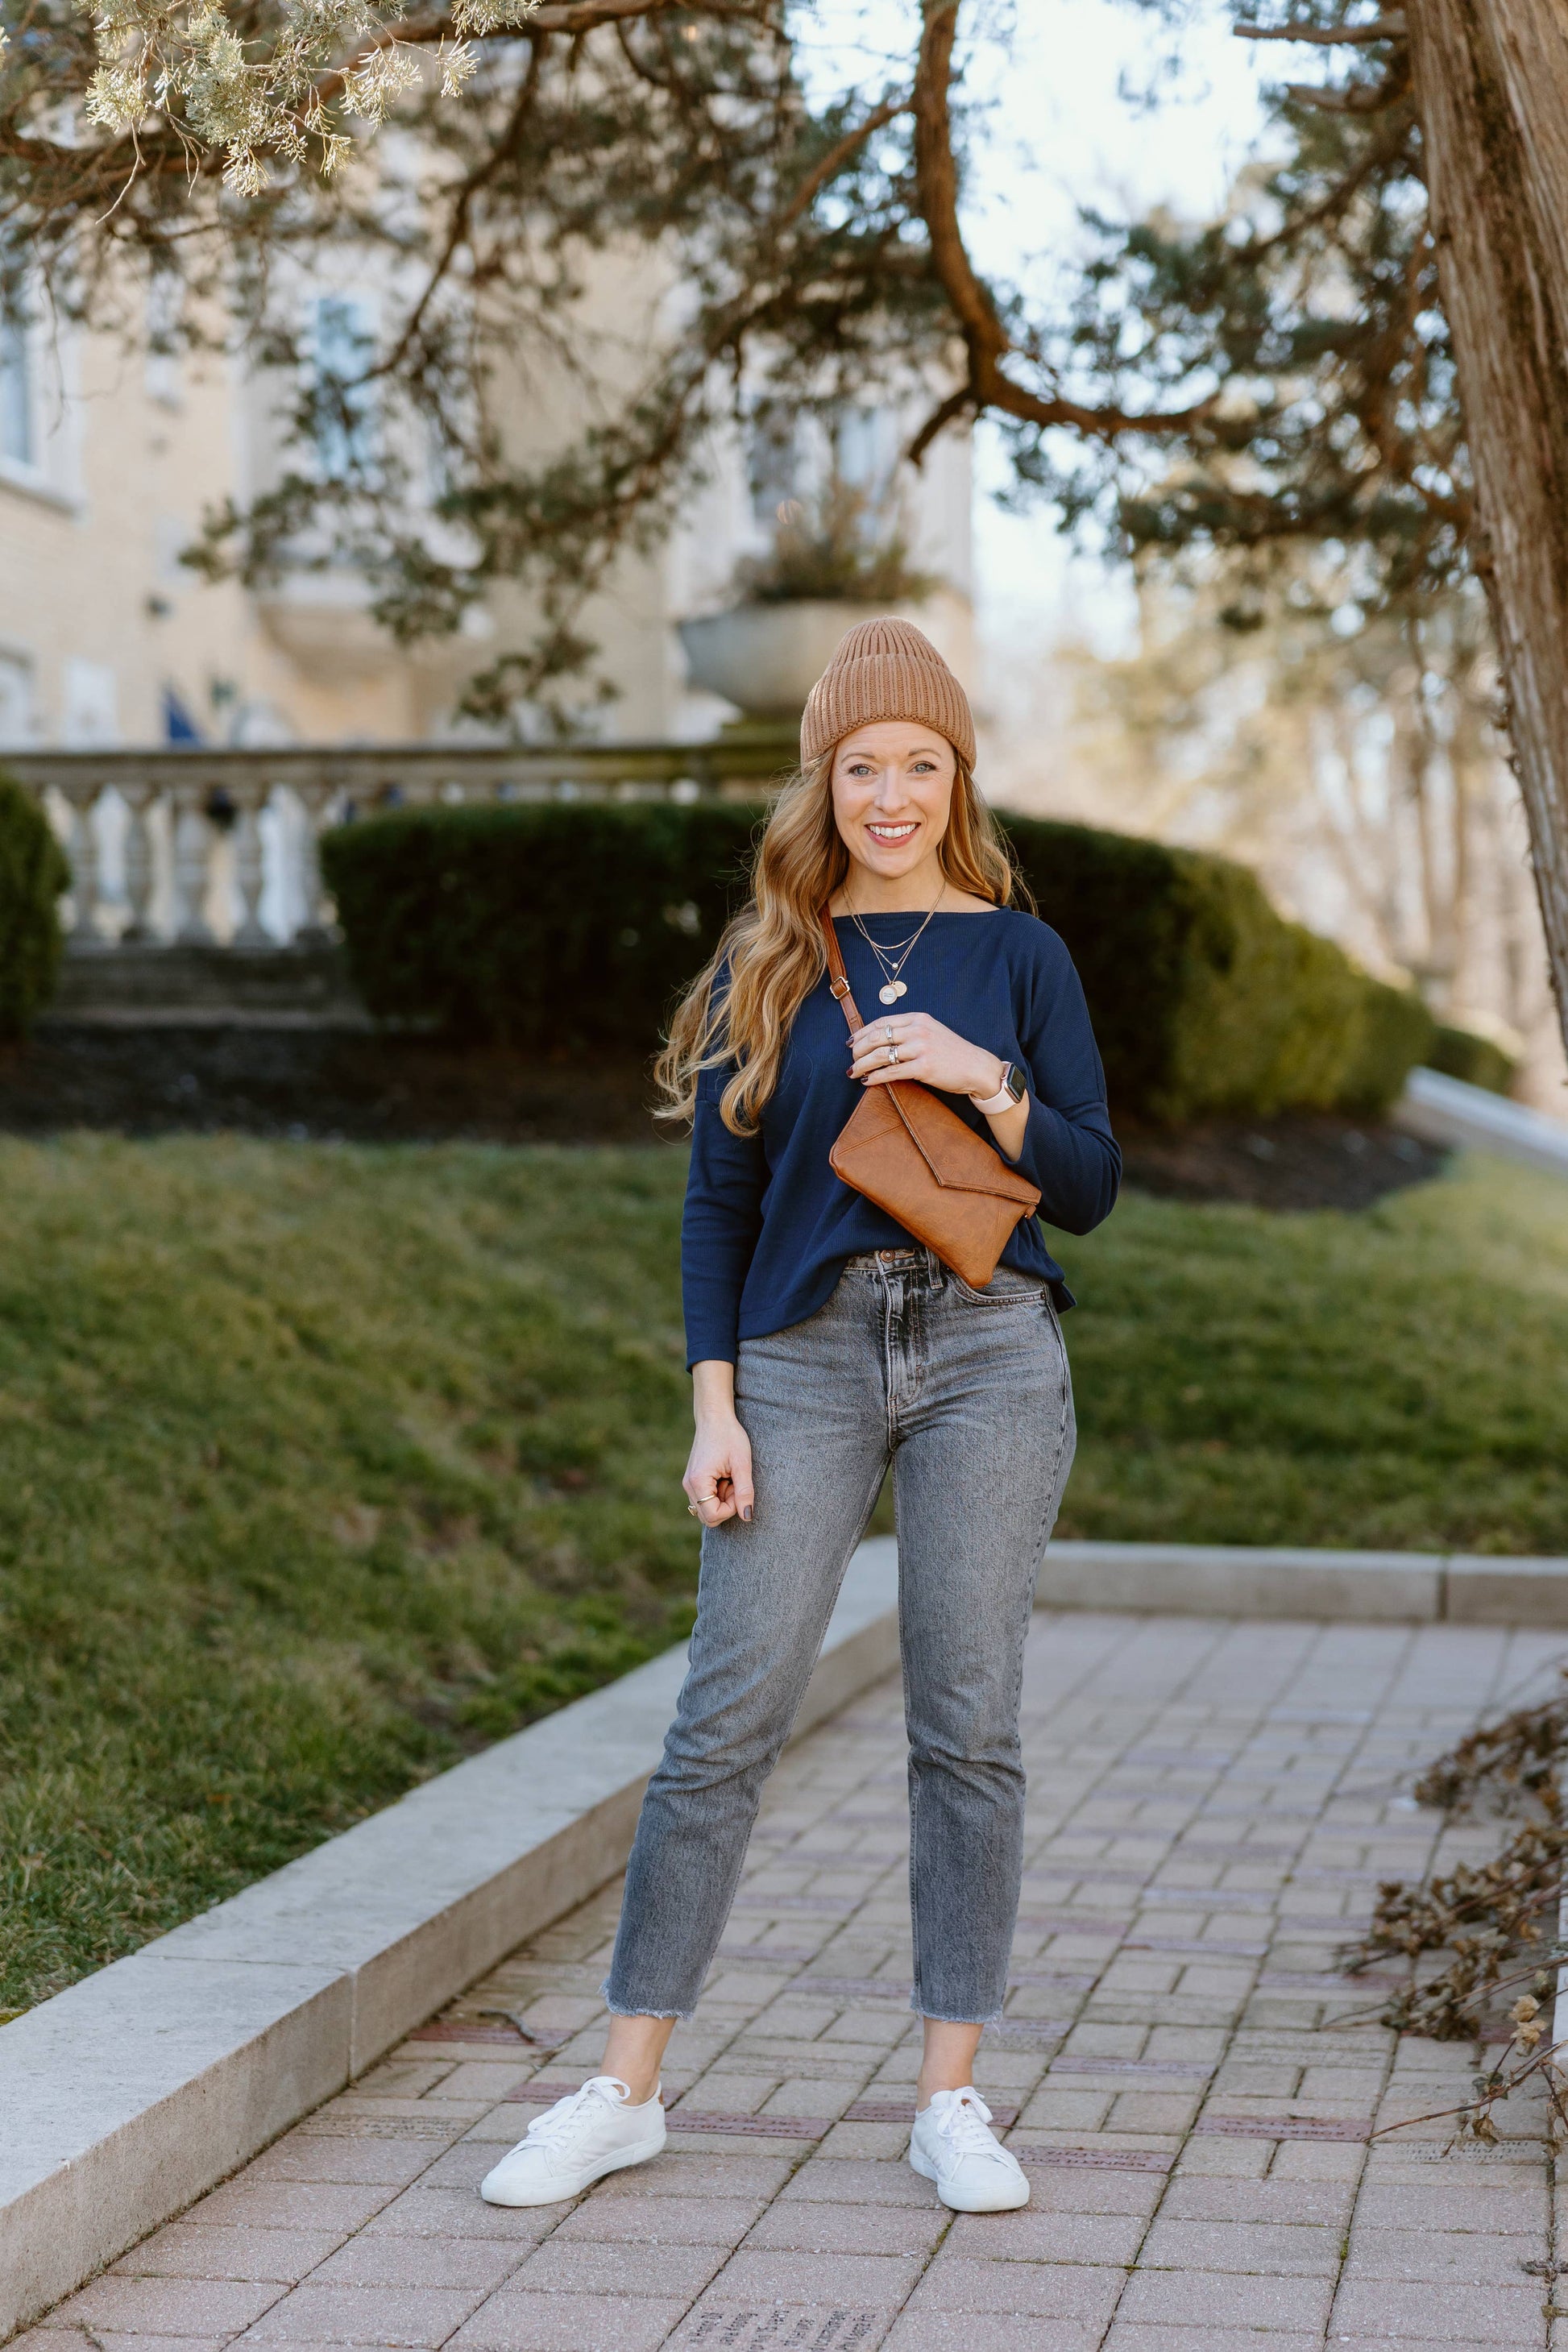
{"points": [[1013, 1087]]}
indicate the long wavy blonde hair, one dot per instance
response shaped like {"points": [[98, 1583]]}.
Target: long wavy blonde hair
{"points": [[771, 956]]}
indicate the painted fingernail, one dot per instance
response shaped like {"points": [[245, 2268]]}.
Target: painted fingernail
{"points": [[747, 1512]]}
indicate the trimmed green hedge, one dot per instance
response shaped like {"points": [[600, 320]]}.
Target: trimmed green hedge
{"points": [[564, 926], [33, 872], [1480, 1061], [1205, 998], [542, 925]]}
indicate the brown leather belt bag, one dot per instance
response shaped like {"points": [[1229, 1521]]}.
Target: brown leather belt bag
{"points": [[907, 1152]]}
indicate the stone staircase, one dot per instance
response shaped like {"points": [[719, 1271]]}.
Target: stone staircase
{"points": [[155, 985]]}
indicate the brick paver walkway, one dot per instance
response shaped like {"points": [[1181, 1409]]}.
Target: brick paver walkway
{"points": [[1187, 2082]]}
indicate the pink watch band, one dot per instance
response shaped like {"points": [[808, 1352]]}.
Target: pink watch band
{"points": [[1003, 1099]]}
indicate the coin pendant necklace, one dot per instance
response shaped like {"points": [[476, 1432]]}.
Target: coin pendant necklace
{"points": [[892, 960]]}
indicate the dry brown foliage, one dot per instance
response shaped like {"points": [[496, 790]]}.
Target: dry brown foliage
{"points": [[1497, 1920]]}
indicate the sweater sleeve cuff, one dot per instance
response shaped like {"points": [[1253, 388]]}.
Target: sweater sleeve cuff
{"points": [[711, 1347], [1076, 1163]]}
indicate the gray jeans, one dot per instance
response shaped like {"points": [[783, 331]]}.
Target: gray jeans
{"points": [[967, 1394]]}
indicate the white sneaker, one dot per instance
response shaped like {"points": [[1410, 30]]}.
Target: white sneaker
{"points": [[973, 2171], [593, 2131]]}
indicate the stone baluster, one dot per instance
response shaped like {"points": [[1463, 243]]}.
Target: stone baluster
{"points": [[83, 854], [138, 798], [249, 872], [313, 793], [193, 857]]}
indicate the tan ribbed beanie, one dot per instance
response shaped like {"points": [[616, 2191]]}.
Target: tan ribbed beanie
{"points": [[886, 669]]}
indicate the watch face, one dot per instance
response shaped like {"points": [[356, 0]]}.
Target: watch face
{"points": [[1016, 1083]]}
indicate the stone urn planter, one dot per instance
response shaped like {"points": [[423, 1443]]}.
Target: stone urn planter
{"points": [[766, 657]]}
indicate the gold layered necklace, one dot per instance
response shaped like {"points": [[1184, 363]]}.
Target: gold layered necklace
{"points": [[892, 960]]}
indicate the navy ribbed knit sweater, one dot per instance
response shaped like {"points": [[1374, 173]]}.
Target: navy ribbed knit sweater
{"points": [[768, 1225]]}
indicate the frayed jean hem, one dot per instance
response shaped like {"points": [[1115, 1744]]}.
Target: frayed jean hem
{"points": [[682, 2015], [937, 2017]]}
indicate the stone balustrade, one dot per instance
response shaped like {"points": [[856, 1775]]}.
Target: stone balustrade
{"points": [[194, 847]]}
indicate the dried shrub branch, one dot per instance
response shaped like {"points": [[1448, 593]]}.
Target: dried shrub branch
{"points": [[1496, 1921]]}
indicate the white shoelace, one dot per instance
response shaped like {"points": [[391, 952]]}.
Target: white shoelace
{"points": [[563, 2120], [963, 2127]]}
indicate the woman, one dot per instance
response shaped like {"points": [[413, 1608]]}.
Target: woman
{"points": [[825, 1344]]}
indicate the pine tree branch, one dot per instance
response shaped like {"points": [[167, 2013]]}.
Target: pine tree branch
{"points": [[833, 163], [1392, 27], [987, 342], [578, 17], [1357, 97], [957, 404], [461, 213], [573, 19], [1374, 156]]}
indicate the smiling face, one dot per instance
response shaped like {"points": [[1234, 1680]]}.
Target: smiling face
{"points": [[892, 794]]}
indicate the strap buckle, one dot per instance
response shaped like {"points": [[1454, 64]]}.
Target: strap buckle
{"points": [[839, 988]]}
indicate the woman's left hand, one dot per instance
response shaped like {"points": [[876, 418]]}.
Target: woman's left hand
{"points": [[913, 1045]]}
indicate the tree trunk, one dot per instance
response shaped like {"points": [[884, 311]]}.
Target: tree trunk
{"points": [[1491, 79]]}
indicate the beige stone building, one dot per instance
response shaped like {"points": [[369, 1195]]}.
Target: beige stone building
{"points": [[110, 456]]}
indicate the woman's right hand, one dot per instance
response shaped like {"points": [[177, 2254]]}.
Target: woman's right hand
{"points": [[719, 1468]]}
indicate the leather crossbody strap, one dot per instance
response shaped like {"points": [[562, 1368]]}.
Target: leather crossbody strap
{"points": [[837, 978]]}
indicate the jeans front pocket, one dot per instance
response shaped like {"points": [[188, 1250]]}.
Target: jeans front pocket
{"points": [[1005, 1288]]}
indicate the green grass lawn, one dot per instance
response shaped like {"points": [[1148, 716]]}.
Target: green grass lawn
{"points": [[320, 1466]]}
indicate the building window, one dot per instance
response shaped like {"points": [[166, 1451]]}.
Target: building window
{"points": [[179, 726], [773, 458], [343, 348], [16, 436], [16, 700], [866, 450], [92, 703], [164, 367]]}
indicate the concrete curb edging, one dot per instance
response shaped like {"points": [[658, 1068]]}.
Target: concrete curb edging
{"points": [[130, 2094], [1244, 1580], [1441, 1109]]}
